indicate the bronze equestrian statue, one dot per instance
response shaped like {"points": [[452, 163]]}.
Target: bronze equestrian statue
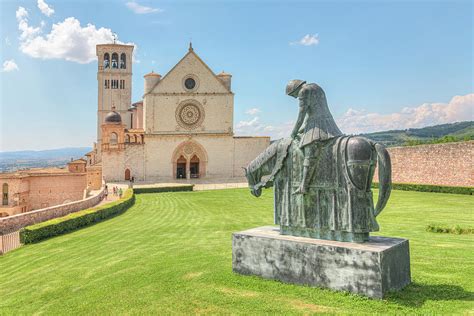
{"points": [[322, 179]]}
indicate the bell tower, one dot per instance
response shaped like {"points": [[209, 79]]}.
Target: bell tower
{"points": [[114, 78]]}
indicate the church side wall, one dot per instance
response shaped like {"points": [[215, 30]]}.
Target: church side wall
{"points": [[246, 150], [114, 163]]}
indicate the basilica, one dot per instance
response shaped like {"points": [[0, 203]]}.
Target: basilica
{"points": [[181, 129]]}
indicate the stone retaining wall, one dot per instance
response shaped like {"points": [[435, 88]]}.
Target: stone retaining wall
{"points": [[449, 164], [16, 222]]}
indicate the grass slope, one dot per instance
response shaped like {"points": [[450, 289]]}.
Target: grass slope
{"points": [[171, 253]]}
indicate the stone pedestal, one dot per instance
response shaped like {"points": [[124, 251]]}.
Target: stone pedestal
{"points": [[372, 268]]}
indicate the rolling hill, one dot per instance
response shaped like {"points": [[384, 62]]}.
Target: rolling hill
{"points": [[430, 134]]}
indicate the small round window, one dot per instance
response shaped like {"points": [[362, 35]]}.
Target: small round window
{"points": [[190, 83]]}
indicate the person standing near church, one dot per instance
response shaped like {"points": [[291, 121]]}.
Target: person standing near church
{"points": [[314, 122], [106, 191]]}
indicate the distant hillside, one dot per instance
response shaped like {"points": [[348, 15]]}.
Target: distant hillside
{"points": [[14, 160], [431, 134]]}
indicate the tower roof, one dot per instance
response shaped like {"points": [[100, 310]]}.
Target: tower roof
{"points": [[113, 117], [152, 73], [223, 73]]}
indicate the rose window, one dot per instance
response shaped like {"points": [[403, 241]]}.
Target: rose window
{"points": [[189, 115]]}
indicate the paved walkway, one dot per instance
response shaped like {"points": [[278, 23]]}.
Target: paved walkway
{"points": [[111, 197], [198, 185]]}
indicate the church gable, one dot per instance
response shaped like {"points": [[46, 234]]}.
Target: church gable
{"points": [[190, 75]]}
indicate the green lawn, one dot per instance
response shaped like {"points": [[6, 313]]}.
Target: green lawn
{"points": [[171, 253]]}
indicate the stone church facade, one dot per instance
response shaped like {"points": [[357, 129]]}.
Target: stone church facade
{"points": [[182, 129]]}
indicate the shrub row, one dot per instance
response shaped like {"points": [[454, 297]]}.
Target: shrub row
{"points": [[74, 221], [180, 188], [430, 188], [458, 230]]}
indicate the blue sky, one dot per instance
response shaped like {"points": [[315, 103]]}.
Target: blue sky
{"points": [[383, 64]]}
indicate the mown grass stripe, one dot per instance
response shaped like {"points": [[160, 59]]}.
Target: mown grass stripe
{"points": [[171, 253]]}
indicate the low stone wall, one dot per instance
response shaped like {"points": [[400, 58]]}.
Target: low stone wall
{"points": [[448, 164], [16, 222]]}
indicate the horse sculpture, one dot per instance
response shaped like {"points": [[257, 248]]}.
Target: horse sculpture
{"points": [[338, 204]]}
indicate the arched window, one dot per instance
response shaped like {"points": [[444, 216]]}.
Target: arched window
{"points": [[127, 138], [114, 60], [123, 61], [113, 139], [194, 167], [106, 60], [5, 194], [181, 168]]}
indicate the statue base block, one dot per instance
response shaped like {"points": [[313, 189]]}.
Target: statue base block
{"points": [[372, 268]]}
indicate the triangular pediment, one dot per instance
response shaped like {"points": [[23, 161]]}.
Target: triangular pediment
{"points": [[190, 66]]}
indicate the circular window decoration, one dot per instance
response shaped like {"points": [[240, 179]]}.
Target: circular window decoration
{"points": [[189, 114], [190, 83]]}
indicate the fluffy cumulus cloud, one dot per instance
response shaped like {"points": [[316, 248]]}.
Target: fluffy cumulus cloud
{"points": [[9, 65], [26, 30], [460, 108], [141, 9], [45, 8], [307, 40], [254, 127], [253, 111], [67, 40]]}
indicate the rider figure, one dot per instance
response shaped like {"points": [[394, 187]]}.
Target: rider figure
{"points": [[315, 122]]}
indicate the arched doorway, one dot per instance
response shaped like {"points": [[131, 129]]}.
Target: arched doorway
{"points": [[181, 168], [191, 160], [127, 174], [194, 167]]}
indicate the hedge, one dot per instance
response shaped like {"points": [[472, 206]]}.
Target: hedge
{"points": [[74, 221], [430, 188], [180, 188], [458, 230]]}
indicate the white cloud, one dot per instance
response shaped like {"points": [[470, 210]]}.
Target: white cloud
{"points": [[9, 65], [253, 111], [460, 108], [45, 8], [251, 123], [254, 127], [26, 30], [308, 40], [141, 9], [67, 39]]}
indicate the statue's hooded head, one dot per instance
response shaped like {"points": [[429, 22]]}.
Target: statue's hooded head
{"points": [[293, 87]]}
